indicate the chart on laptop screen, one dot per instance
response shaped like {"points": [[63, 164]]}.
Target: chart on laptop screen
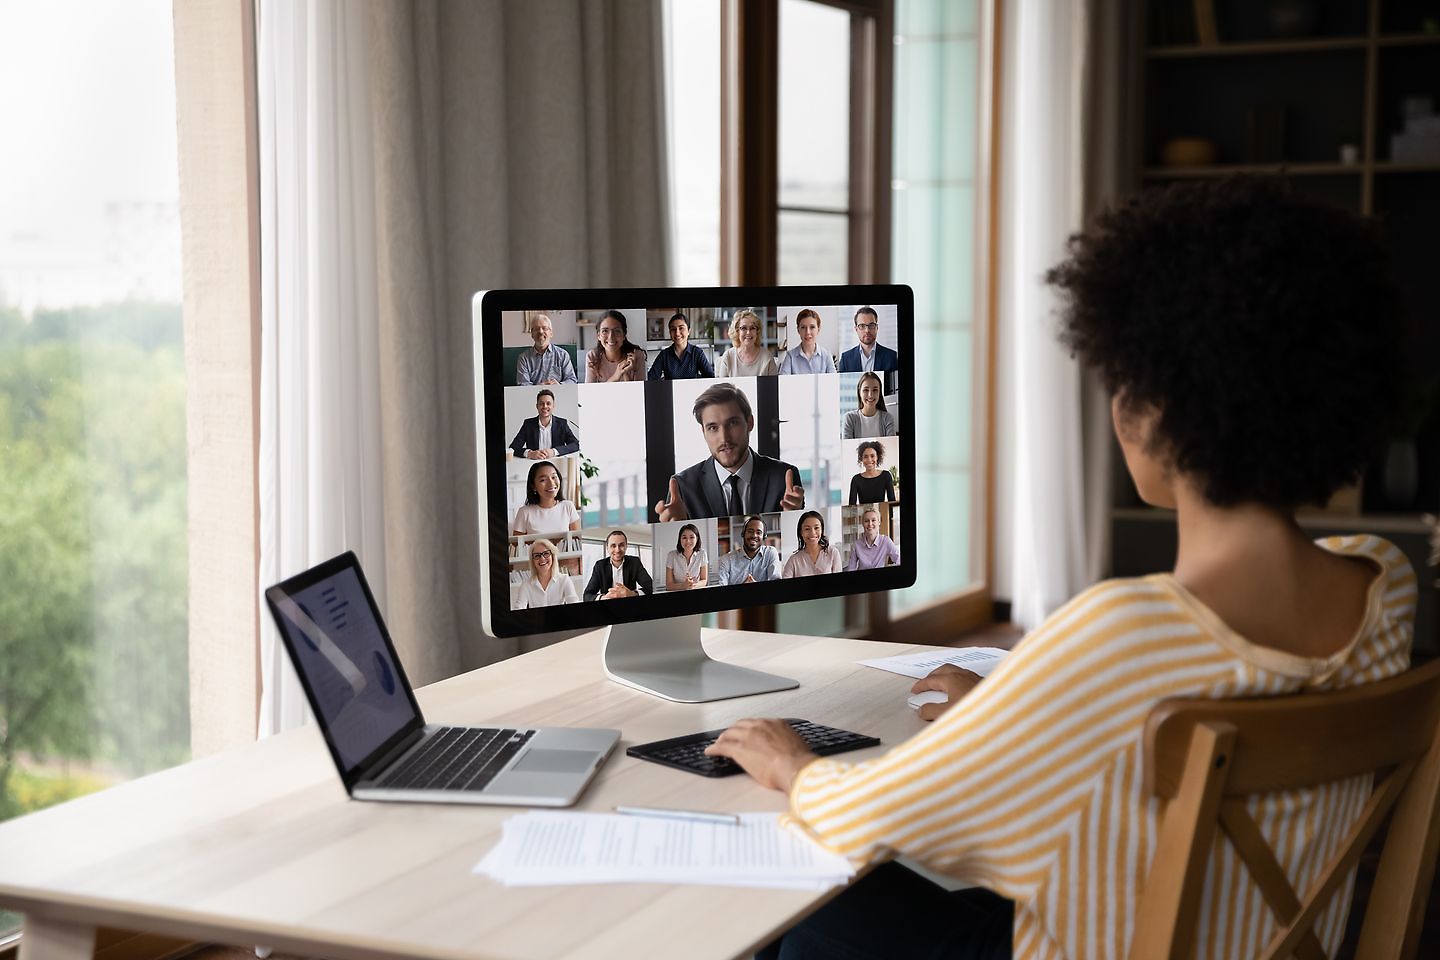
{"points": [[670, 448]]}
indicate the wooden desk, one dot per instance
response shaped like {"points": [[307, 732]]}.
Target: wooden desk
{"points": [[260, 845]]}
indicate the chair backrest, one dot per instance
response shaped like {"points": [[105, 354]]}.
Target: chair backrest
{"points": [[1206, 756]]}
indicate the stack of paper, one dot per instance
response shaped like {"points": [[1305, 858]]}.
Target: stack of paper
{"points": [[544, 848], [979, 660]]}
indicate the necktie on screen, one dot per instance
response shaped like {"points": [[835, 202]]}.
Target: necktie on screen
{"points": [[735, 507]]}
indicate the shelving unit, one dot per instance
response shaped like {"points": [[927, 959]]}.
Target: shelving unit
{"points": [[1342, 84]]}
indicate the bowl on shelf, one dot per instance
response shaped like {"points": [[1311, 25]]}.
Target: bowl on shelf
{"points": [[1189, 152]]}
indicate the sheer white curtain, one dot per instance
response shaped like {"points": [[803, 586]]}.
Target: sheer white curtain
{"points": [[320, 461], [1041, 553], [412, 153]]}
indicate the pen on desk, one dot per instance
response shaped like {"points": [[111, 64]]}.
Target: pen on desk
{"points": [[700, 816]]}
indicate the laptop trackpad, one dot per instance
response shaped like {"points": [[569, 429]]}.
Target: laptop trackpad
{"points": [[555, 761]]}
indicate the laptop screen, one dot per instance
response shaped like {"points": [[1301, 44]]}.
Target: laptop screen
{"points": [[339, 649]]}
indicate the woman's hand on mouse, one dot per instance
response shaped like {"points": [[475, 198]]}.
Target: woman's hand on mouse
{"points": [[950, 680], [769, 750]]}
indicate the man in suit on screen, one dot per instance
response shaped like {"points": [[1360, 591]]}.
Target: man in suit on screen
{"points": [[734, 480], [545, 436], [618, 574], [868, 354]]}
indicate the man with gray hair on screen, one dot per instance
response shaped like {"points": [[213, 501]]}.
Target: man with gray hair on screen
{"points": [[546, 363]]}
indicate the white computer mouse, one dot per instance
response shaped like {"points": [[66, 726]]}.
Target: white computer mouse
{"points": [[917, 700]]}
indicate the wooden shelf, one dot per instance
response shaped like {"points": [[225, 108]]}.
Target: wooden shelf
{"points": [[1226, 169], [1384, 166], [1380, 523], [1251, 48], [1410, 40]]}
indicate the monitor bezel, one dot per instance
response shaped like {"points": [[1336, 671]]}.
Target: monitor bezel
{"points": [[499, 620]]}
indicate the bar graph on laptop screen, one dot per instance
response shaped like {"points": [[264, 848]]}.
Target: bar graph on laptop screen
{"points": [[659, 453]]}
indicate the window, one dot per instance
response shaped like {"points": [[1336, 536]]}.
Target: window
{"points": [[93, 550], [865, 159]]}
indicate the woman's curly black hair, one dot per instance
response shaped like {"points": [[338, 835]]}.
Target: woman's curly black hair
{"points": [[1264, 328]]}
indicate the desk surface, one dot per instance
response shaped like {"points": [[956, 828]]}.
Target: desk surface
{"points": [[260, 844]]}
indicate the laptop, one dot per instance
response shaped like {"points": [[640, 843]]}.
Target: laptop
{"points": [[381, 744]]}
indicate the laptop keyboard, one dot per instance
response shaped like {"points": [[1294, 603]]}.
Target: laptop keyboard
{"points": [[688, 752], [457, 758]]}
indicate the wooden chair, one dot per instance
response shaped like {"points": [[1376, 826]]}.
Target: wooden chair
{"points": [[1206, 756]]}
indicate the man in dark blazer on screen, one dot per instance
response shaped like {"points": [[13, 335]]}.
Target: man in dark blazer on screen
{"points": [[734, 480], [530, 442], [618, 574], [868, 354]]}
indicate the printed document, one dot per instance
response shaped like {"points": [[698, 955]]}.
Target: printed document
{"points": [[543, 848], [979, 660]]}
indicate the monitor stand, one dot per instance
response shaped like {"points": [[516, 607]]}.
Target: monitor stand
{"points": [[666, 658]]}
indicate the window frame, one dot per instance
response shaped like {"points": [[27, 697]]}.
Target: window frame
{"points": [[749, 219]]}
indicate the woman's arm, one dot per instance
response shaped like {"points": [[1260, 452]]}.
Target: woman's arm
{"points": [[855, 489], [670, 582], [704, 578], [1012, 756]]}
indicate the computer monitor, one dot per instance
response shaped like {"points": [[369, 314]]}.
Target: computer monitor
{"points": [[646, 456]]}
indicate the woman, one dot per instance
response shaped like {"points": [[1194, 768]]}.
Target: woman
{"points": [[870, 419], [872, 550], [545, 587], [871, 484], [745, 358], [684, 360], [545, 510], [809, 356], [814, 555], [1249, 341], [686, 567], [614, 358]]}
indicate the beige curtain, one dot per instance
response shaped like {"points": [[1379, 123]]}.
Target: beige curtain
{"points": [[515, 144]]}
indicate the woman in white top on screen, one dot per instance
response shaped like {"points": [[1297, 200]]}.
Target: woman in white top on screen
{"points": [[615, 358], [686, 567], [546, 586], [546, 510], [809, 356], [870, 419], [746, 358], [815, 555]]}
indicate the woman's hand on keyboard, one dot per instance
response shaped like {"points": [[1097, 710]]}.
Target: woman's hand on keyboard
{"points": [[769, 750]]}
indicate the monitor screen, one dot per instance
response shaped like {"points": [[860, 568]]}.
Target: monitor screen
{"points": [[663, 452]]}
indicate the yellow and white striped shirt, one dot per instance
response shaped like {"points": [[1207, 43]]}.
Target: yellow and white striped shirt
{"points": [[1031, 785]]}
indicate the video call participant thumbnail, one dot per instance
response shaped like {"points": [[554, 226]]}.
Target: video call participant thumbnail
{"points": [[869, 418], [545, 363], [867, 354], [687, 567], [808, 356], [746, 357], [734, 479], [545, 509], [871, 484], [815, 554], [615, 358], [754, 560], [682, 360], [547, 585], [872, 549], [544, 436], [618, 574]]}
